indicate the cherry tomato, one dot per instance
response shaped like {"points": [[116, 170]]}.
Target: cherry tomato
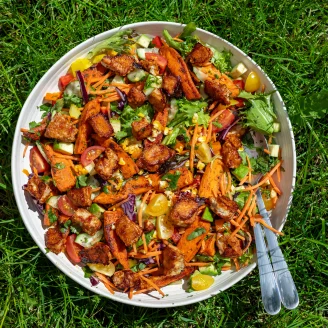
{"points": [[38, 161], [66, 206], [253, 82], [65, 80], [225, 119], [90, 154], [158, 205], [240, 103], [157, 41], [72, 249], [161, 61], [239, 83]]}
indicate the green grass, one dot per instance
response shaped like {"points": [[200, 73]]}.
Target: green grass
{"points": [[287, 38]]}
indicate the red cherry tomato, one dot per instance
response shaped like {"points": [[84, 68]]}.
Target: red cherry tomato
{"points": [[225, 119], [161, 61], [240, 103], [90, 154], [65, 80], [66, 206], [37, 161], [239, 83], [157, 41], [72, 249]]}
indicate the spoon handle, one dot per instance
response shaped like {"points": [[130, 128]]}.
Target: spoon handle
{"points": [[269, 289], [286, 285]]}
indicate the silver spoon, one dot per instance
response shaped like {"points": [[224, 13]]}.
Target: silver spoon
{"points": [[284, 279]]}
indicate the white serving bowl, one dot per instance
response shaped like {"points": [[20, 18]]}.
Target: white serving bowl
{"points": [[177, 296]]}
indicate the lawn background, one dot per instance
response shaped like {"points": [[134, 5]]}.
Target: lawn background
{"points": [[287, 38]]}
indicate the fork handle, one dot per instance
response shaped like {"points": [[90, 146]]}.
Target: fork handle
{"points": [[286, 285], [269, 289]]}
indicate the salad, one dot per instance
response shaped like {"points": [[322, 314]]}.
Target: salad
{"points": [[141, 167]]}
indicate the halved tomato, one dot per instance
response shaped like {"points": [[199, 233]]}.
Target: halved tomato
{"points": [[38, 161], [66, 206], [72, 249], [157, 42], [65, 80], [90, 154], [160, 60], [239, 83], [225, 119]]}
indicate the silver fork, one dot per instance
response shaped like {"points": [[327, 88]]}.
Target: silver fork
{"points": [[284, 280]]}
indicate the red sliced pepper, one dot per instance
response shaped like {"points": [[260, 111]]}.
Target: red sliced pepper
{"points": [[157, 42], [65, 80]]}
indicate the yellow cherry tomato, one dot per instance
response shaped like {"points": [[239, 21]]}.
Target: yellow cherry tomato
{"points": [[158, 205], [81, 64], [164, 227], [108, 269], [253, 82], [203, 152], [201, 281]]}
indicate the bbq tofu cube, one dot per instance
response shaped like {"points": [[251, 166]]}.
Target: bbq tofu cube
{"points": [[127, 230]]}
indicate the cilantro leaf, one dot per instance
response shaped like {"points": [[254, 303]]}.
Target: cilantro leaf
{"points": [[130, 115], [71, 99], [138, 267], [221, 59], [81, 181], [87, 272], [172, 179], [52, 216], [33, 124], [217, 124], [59, 166]]}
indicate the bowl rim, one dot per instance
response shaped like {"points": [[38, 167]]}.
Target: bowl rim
{"points": [[17, 188]]}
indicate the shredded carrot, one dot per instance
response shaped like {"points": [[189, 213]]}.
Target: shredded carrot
{"points": [[249, 169], [135, 247], [142, 291], [209, 133], [152, 284], [279, 173], [213, 105], [25, 149], [144, 243], [96, 189], [216, 115], [229, 181], [151, 244], [199, 264], [116, 263], [157, 260], [130, 295], [105, 281], [192, 150], [102, 80], [226, 268], [206, 64], [240, 226], [25, 172], [275, 187], [143, 201], [23, 130], [236, 224], [119, 204], [177, 39], [237, 264], [240, 236], [177, 35], [246, 207], [72, 157], [268, 226], [266, 151], [35, 171], [244, 179], [147, 271], [112, 98], [251, 221], [144, 256], [264, 179], [252, 206]]}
